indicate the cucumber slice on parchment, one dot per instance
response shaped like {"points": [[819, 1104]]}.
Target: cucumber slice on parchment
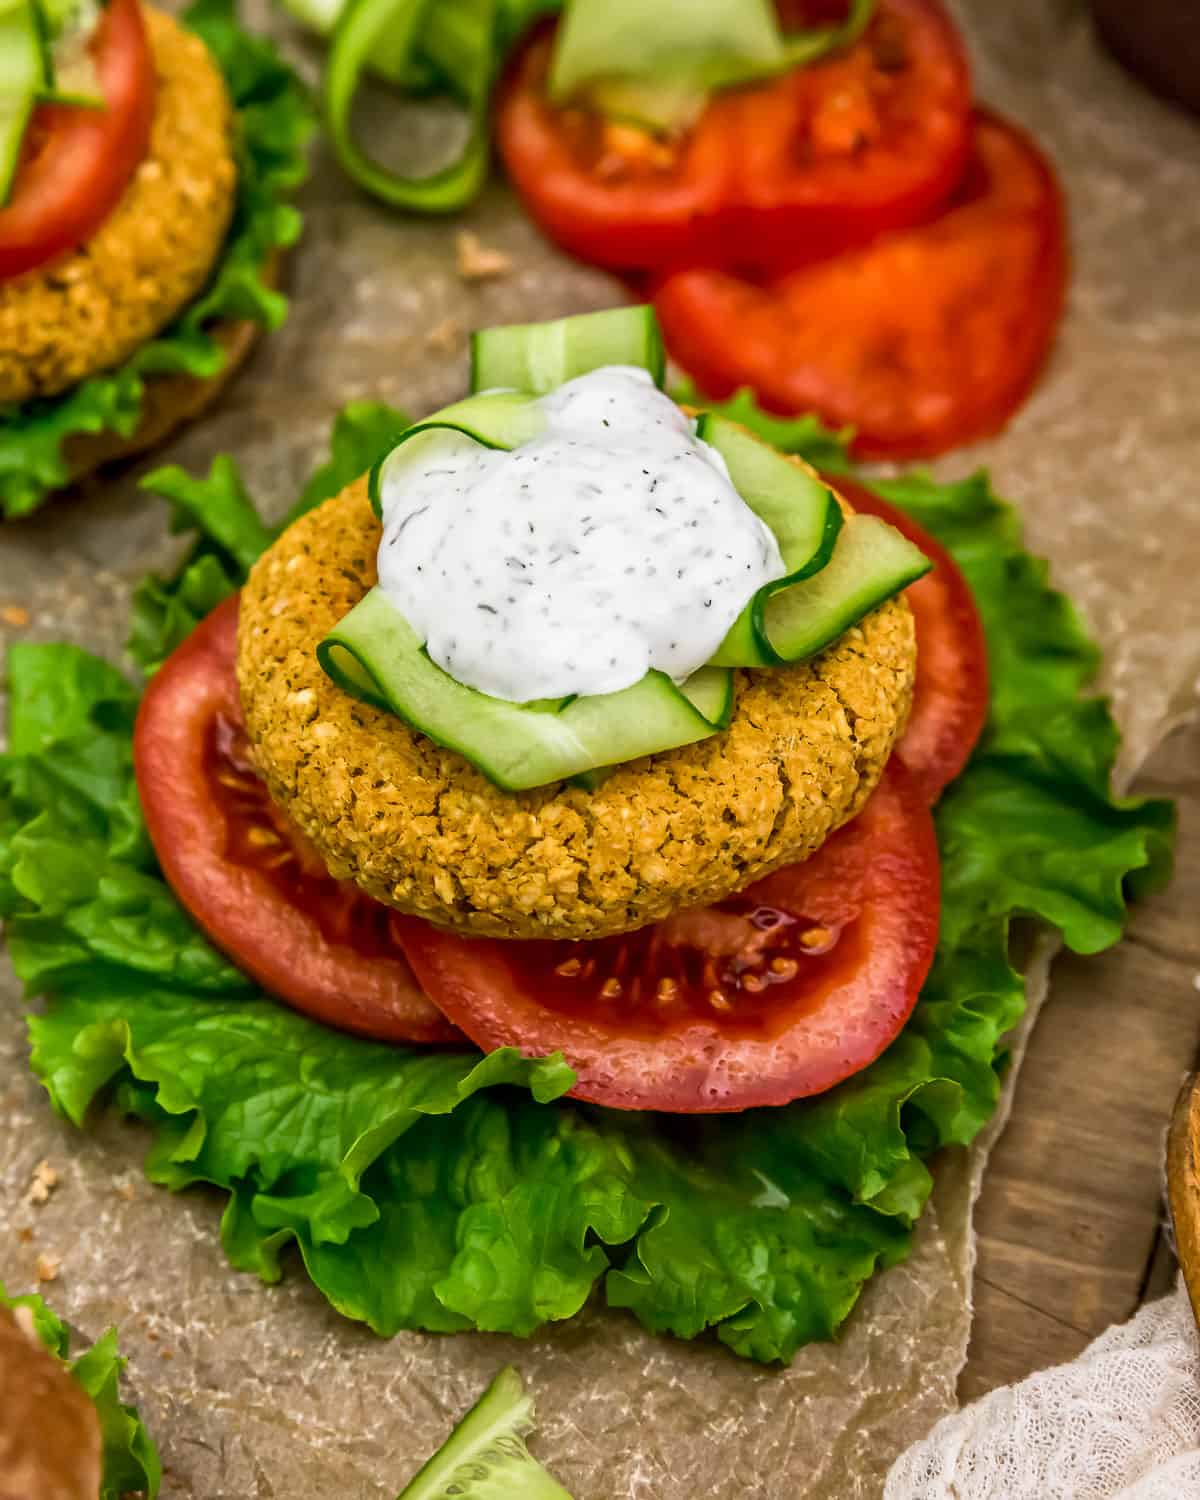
{"points": [[485, 1457]]}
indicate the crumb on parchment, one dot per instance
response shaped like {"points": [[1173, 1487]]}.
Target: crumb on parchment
{"points": [[47, 1266], [43, 1182], [15, 615], [479, 262], [445, 337]]}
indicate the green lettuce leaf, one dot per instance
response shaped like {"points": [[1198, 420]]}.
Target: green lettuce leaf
{"points": [[444, 1191], [166, 610], [807, 435], [130, 1459], [275, 120]]}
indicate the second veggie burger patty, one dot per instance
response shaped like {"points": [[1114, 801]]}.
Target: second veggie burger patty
{"points": [[91, 309], [417, 827]]}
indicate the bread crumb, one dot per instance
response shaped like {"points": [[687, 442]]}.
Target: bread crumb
{"points": [[152, 1336], [446, 337], [15, 615], [166, 1354], [47, 1266], [25, 1235], [127, 1191], [45, 1180], [476, 262]]}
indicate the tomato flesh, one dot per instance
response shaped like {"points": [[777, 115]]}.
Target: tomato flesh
{"points": [[921, 341], [778, 993], [77, 162], [950, 693], [243, 870], [825, 157]]}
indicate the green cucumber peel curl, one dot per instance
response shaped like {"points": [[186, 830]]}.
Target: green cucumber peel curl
{"points": [[362, 29]]}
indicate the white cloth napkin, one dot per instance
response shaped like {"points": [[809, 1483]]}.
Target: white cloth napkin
{"points": [[1121, 1422]]}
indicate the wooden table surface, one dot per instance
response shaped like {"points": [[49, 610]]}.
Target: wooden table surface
{"points": [[1070, 1218]]}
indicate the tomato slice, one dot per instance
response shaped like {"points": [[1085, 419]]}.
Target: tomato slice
{"points": [[775, 994], [871, 140], [77, 162], [950, 693], [825, 157], [246, 873], [921, 341]]}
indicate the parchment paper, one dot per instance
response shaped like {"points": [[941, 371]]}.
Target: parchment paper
{"points": [[259, 1392]]}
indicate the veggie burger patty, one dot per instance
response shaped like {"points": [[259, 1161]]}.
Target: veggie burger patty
{"points": [[417, 827], [91, 309]]}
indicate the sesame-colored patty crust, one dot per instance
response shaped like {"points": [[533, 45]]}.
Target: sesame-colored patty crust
{"points": [[92, 308], [419, 828]]}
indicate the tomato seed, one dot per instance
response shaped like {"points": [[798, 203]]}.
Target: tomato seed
{"points": [[719, 1001], [815, 937], [755, 983], [667, 990], [263, 837], [611, 989], [569, 968], [784, 968]]}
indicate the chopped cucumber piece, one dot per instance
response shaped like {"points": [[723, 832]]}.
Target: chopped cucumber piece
{"points": [[676, 41], [539, 357], [375, 654], [22, 77], [485, 1457], [802, 513], [496, 419], [870, 563]]}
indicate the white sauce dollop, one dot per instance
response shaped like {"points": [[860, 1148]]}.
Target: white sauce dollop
{"points": [[611, 544]]}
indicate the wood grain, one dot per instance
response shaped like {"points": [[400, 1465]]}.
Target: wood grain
{"points": [[1071, 1211]]}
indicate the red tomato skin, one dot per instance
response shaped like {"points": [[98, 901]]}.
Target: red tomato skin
{"points": [[242, 911], [950, 693], [885, 862], [752, 186], [923, 340], [83, 158]]}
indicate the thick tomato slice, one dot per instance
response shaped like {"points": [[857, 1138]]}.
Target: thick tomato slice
{"points": [[77, 162], [775, 994], [921, 341], [822, 158], [246, 873], [950, 694]]}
